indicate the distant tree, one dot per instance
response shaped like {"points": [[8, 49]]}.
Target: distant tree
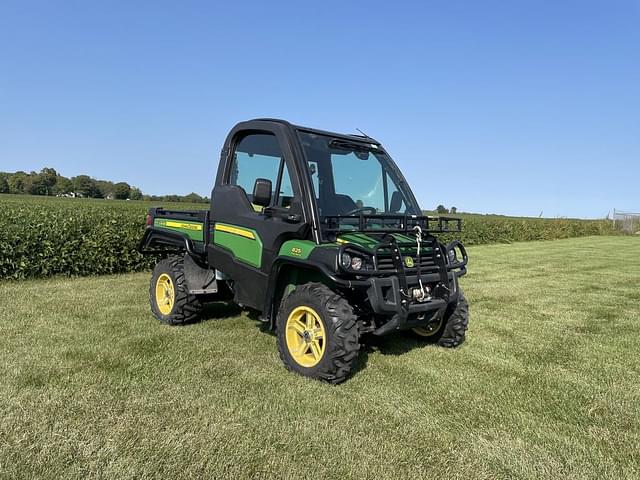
{"points": [[47, 179], [121, 191], [17, 182], [4, 184], [453, 210], [193, 197], [50, 182], [441, 209], [136, 194], [86, 186], [35, 185], [107, 188], [63, 186]]}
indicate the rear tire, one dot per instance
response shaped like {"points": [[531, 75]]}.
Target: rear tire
{"points": [[169, 295], [452, 332], [317, 333]]}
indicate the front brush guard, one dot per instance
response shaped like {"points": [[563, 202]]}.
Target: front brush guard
{"points": [[398, 301]]}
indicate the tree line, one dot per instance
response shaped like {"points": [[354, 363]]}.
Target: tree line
{"points": [[51, 183], [441, 209]]}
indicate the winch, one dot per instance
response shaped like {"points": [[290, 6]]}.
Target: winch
{"points": [[420, 294]]}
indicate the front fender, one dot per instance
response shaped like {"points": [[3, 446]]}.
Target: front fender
{"points": [[289, 272]]}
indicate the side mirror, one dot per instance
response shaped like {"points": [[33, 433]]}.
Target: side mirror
{"points": [[262, 192], [396, 202]]}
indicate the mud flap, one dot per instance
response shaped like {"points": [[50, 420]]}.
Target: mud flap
{"points": [[199, 280]]}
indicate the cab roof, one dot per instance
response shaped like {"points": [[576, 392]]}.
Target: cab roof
{"points": [[345, 136]]}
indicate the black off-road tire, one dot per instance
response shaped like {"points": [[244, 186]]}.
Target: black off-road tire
{"points": [[455, 329], [341, 352], [452, 332], [186, 307]]}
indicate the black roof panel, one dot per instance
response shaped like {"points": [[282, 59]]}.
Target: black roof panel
{"points": [[346, 136]]}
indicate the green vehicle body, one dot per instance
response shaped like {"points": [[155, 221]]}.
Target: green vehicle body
{"points": [[296, 229]]}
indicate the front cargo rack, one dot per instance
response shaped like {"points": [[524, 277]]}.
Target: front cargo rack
{"points": [[384, 223]]}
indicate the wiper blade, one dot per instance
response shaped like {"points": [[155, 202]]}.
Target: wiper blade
{"points": [[346, 145]]}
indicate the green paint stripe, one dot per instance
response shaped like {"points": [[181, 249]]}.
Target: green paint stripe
{"points": [[193, 234], [403, 238], [244, 249], [359, 239]]}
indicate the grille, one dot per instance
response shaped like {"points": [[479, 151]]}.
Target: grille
{"points": [[427, 262]]}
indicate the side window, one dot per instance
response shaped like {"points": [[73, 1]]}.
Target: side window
{"points": [[258, 155], [286, 189]]}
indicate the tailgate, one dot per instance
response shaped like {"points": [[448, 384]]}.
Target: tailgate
{"points": [[188, 222]]}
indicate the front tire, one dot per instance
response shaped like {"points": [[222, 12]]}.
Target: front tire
{"points": [[317, 333], [169, 295], [452, 329]]}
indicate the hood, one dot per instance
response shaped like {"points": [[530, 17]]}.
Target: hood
{"points": [[370, 241]]}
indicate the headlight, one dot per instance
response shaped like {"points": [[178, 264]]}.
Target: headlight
{"points": [[353, 261], [452, 255], [356, 263]]}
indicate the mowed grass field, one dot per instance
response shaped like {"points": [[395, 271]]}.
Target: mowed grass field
{"points": [[547, 385]]}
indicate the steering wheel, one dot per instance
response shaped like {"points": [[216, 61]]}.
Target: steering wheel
{"points": [[355, 211]]}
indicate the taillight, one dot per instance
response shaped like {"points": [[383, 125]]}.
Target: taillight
{"points": [[149, 220]]}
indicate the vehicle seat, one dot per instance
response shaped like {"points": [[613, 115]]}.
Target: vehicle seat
{"points": [[338, 205]]}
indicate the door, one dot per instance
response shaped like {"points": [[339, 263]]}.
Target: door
{"points": [[246, 238]]}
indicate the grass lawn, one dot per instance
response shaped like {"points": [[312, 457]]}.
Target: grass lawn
{"points": [[546, 386]]}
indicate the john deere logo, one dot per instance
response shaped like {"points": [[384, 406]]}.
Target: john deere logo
{"points": [[408, 261]]}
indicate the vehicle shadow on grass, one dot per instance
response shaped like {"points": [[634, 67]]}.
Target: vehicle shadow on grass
{"points": [[224, 310], [218, 311], [397, 343]]}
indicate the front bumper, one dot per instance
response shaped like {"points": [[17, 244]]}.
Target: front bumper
{"points": [[390, 295], [387, 299]]}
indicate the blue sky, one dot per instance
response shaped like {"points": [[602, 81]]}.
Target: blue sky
{"points": [[508, 107]]}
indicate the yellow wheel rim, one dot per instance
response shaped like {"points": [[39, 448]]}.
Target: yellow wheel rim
{"points": [[429, 330], [165, 294], [305, 335]]}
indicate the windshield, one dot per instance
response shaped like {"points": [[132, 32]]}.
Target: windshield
{"points": [[352, 178]]}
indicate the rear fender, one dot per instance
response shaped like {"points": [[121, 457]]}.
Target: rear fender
{"points": [[199, 277], [157, 241]]}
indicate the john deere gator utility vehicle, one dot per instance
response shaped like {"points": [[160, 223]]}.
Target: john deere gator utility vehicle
{"points": [[320, 233]]}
